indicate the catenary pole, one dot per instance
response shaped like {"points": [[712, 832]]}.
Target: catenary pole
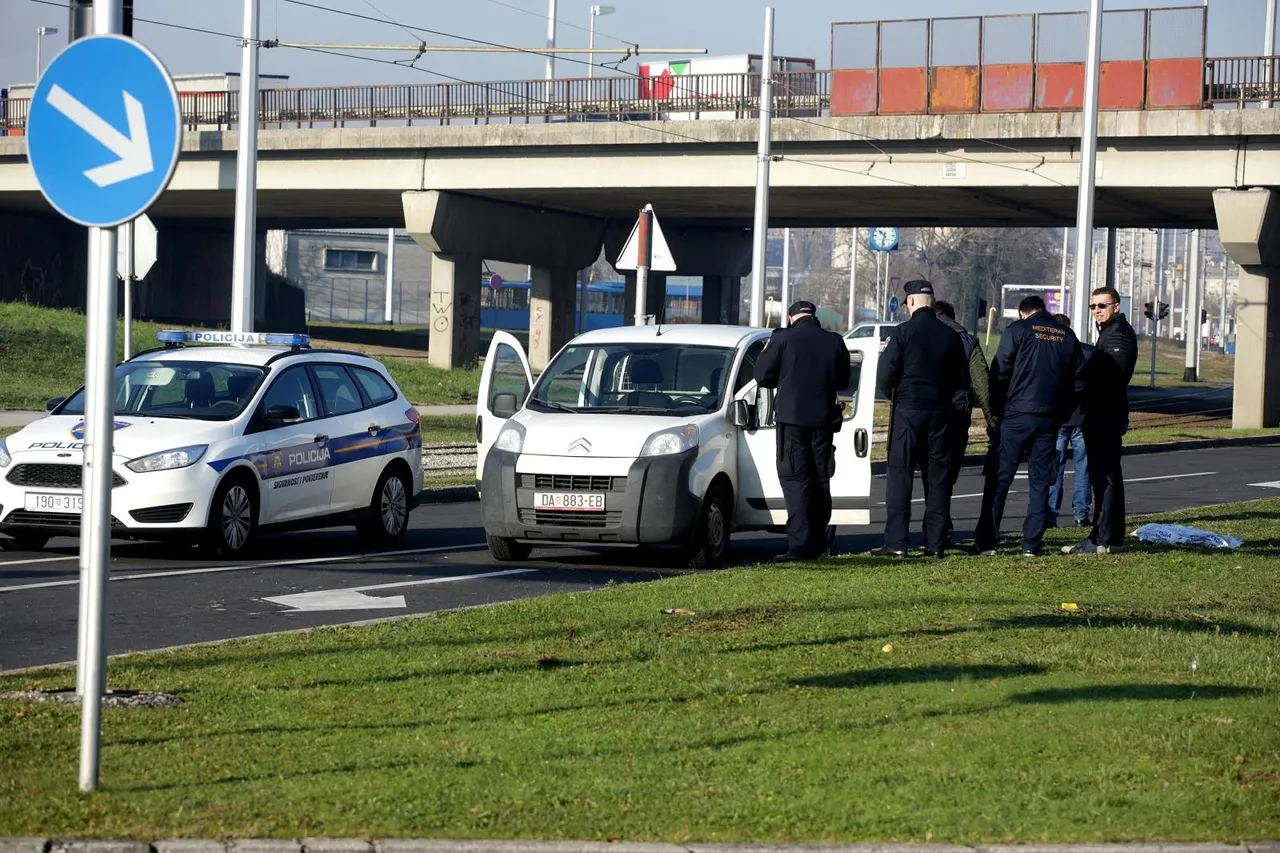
{"points": [[1088, 170], [759, 251], [245, 252]]}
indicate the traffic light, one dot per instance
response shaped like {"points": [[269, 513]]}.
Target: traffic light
{"points": [[1148, 310], [1164, 310], [1204, 316]]}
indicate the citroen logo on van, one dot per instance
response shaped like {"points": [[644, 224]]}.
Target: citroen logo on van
{"points": [[581, 446]]}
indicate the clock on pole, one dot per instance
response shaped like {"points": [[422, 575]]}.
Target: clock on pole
{"points": [[884, 238]]}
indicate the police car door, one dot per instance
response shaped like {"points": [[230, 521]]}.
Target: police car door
{"points": [[760, 499], [355, 460], [504, 385], [293, 459]]}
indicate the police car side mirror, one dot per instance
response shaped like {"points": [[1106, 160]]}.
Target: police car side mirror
{"points": [[53, 404], [504, 405], [741, 414], [282, 416]]}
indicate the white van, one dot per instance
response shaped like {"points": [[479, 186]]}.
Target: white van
{"points": [[648, 435]]}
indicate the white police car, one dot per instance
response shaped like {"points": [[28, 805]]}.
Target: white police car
{"points": [[214, 444], [649, 434]]}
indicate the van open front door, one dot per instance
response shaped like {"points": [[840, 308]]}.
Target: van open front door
{"points": [[760, 500], [505, 382]]}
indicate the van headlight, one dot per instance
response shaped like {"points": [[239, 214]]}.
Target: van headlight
{"points": [[179, 457], [511, 438], [5, 458], [669, 442]]}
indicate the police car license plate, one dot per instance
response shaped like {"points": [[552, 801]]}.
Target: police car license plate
{"points": [[55, 503], [569, 501]]}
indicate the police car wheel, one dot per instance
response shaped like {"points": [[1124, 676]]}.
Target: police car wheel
{"points": [[505, 549], [388, 519], [710, 542], [232, 519], [27, 541]]}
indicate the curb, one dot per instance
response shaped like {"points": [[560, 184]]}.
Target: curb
{"points": [[441, 495], [976, 459], [410, 845]]}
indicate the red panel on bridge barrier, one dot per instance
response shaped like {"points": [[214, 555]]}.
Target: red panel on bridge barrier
{"points": [[954, 89], [1122, 85], [15, 131], [853, 93], [1007, 88], [1060, 86], [904, 91], [1175, 84]]}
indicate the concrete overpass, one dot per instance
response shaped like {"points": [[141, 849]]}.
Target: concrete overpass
{"points": [[550, 195]]}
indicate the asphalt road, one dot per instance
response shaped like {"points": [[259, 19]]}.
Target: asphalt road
{"points": [[162, 595]]}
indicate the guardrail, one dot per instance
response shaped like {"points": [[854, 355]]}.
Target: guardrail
{"points": [[799, 94]]}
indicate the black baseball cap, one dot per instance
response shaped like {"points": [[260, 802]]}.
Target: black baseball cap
{"points": [[918, 287], [802, 307]]}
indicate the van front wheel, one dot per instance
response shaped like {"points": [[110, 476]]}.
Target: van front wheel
{"points": [[505, 549], [710, 539]]}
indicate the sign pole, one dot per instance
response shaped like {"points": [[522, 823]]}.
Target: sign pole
{"points": [[853, 278], [1088, 170], [98, 440], [125, 236], [644, 259], [391, 273], [245, 252], [1162, 246], [759, 251], [784, 290]]}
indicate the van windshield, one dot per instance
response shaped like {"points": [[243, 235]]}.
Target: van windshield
{"points": [[196, 390], [657, 379]]}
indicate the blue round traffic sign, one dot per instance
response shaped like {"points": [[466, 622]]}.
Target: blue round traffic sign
{"points": [[893, 306], [104, 130]]}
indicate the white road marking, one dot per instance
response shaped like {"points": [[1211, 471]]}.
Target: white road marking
{"points": [[1272, 485], [37, 560], [1126, 479], [354, 598], [247, 567]]}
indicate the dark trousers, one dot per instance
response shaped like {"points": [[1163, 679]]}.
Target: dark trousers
{"points": [[1030, 437], [918, 440], [806, 464], [1102, 439], [957, 444]]}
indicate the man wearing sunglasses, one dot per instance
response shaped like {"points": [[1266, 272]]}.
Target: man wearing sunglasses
{"points": [[1105, 404]]}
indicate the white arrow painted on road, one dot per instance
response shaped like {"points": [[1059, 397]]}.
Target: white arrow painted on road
{"points": [[354, 598], [1273, 485], [133, 150]]}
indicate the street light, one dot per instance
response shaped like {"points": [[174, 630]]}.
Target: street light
{"points": [[41, 32], [596, 11]]}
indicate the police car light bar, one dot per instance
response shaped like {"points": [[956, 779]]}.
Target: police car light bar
{"points": [[260, 339]]}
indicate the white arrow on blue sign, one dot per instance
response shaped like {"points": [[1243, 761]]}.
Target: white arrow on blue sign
{"points": [[893, 306], [104, 130]]}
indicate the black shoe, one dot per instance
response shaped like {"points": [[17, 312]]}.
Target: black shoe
{"points": [[934, 555], [1083, 522], [1049, 524], [980, 551], [887, 552], [1029, 552], [788, 557]]}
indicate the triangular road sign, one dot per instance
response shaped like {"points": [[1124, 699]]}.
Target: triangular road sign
{"points": [[661, 260]]}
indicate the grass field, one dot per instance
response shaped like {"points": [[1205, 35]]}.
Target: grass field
{"points": [[1059, 699]]}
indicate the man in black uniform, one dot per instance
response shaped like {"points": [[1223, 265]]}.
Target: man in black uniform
{"points": [[1105, 406], [1033, 387], [809, 366], [922, 370]]}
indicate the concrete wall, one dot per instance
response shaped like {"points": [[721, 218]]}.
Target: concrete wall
{"points": [[43, 261]]}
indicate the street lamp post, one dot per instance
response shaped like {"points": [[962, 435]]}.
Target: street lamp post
{"points": [[41, 32], [596, 12]]}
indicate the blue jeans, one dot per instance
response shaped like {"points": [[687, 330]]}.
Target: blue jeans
{"points": [[1080, 494]]}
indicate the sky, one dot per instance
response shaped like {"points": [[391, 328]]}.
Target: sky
{"points": [[803, 29]]}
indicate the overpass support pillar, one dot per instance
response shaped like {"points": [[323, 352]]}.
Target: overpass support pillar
{"points": [[655, 296], [455, 310], [552, 308], [1249, 224], [721, 298]]}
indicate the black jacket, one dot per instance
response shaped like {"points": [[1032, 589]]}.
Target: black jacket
{"points": [[1077, 414], [1107, 377], [809, 366], [1036, 369], [924, 367]]}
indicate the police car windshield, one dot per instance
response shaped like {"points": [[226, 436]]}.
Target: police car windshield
{"points": [[634, 378], [198, 390]]}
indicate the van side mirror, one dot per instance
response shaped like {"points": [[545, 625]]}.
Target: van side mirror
{"points": [[53, 404], [282, 416], [741, 414], [504, 405]]}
